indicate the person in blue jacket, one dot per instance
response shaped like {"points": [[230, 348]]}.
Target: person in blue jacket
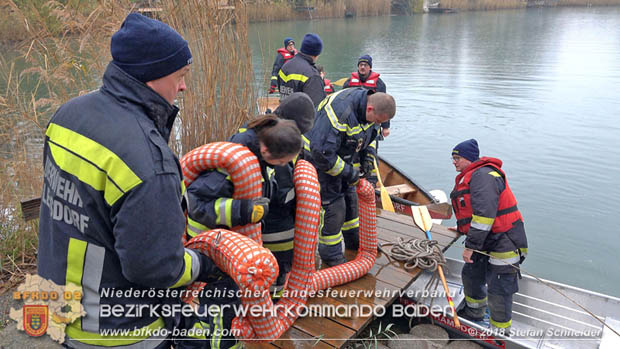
{"points": [[274, 142], [344, 127], [112, 204]]}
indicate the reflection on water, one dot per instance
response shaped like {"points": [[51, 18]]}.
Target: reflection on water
{"points": [[537, 88]]}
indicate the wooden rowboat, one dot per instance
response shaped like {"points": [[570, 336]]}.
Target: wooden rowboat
{"points": [[405, 192]]}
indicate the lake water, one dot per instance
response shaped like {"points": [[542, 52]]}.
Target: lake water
{"points": [[538, 88]]}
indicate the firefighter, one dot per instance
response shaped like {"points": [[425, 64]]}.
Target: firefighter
{"points": [[366, 78], [300, 73], [344, 128], [274, 142], [284, 54], [486, 211], [112, 214]]}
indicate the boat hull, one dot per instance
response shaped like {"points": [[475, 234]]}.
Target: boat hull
{"points": [[542, 318]]}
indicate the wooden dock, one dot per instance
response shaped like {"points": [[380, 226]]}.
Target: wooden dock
{"points": [[385, 277]]}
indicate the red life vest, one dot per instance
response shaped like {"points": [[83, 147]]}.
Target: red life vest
{"points": [[507, 211], [285, 54], [370, 83], [328, 86]]}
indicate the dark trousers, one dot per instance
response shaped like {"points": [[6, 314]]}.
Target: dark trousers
{"points": [[330, 236], [482, 280], [351, 225]]}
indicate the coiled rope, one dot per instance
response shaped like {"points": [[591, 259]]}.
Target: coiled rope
{"points": [[417, 253]]}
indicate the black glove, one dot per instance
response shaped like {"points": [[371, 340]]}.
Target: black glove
{"points": [[257, 209], [367, 166], [209, 272], [354, 178]]}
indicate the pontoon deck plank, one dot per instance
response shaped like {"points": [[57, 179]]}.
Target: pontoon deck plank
{"points": [[385, 279]]}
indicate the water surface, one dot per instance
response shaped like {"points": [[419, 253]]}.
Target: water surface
{"points": [[537, 88]]}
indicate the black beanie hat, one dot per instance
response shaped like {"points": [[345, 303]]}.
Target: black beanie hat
{"points": [[312, 45], [467, 149], [297, 107], [148, 49], [365, 58]]}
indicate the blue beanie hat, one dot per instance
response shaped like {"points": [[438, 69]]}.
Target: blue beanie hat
{"points": [[287, 40], [365, 58], [148, 49], [467, 149], [312, 45]]}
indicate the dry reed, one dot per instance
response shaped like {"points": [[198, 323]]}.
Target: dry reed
{"points": [[219, 95], [269, 10], [63, 53]]}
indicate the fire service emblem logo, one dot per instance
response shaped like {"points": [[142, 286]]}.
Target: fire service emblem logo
{"points": [[35, 319]]}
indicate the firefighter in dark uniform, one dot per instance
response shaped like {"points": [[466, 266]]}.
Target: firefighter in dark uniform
{"points": [[366, 78], [486, 211], [279, 228], [284, 54], [111, 214], [274, 142], [344, 127], [300, 74]]}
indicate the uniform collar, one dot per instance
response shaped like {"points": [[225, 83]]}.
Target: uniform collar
{"points": [[125, 87]]}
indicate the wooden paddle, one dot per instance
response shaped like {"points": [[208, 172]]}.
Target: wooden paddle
{"points": [[386, 201], [422, 219], [340, 82]]}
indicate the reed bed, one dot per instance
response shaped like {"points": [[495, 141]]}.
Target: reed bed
{"points": [[472, 5], [219, 95], [63, 53], [270, 10]]}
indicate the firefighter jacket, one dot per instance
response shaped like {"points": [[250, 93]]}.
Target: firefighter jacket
{"points": [[486, 210], [111, 215], [300, 75], [372, 82], [282, 56], [279, 228], [210, 195], [340, 132]]}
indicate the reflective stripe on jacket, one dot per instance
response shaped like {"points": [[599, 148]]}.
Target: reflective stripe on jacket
{"points": [[300, 75], [111, 215], [282, 57], [486, 210], [340, 132]]}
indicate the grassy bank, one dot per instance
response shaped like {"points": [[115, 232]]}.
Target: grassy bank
{"points": [[62, 53]]}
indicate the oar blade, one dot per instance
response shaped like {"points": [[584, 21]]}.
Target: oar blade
{"points": [[426, 217], [386, 201], [340, 82], [417, 217]]}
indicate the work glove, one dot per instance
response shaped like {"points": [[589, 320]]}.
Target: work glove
{"points": [[209, 272], [354, 178], [272, 89], [367, 166], [258, 208]]}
